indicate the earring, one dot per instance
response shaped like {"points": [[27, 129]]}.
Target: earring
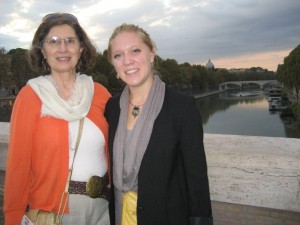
{"points": [[45, 64], [118, 77], [79, 64]]}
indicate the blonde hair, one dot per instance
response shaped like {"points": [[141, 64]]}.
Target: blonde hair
{"points": [[131, 28]]}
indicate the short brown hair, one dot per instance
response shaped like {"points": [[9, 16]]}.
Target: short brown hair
{"points": [[35, 56]]}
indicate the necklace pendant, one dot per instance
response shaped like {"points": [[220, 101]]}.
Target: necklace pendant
{"points": [[135, 111]]}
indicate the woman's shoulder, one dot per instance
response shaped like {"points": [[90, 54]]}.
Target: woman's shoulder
{"points": [[113, 103], [112, 108], [177, 97], [101, 92], [114, 100], [27, 101], [27, 94], [100, 88]]}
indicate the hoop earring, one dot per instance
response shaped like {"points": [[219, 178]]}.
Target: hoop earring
{"points": [[45, 64], [79, 64]]}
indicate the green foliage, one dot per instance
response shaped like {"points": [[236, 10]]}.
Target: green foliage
{"points": [[170, 72], [289, 72], [19, 67], [296, 111], [104, 73], [187, 77], [100, 78], [4, 68]]}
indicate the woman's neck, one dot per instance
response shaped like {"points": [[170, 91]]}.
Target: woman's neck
{"points": [[138, 95], [64, 84]]}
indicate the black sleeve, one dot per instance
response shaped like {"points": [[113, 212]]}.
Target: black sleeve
{"points": [[195, 166]]}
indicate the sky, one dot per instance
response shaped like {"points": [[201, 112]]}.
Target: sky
{"points": [[231, 33]]}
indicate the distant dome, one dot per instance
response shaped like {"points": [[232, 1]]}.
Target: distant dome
{"points": [[209, 65]]}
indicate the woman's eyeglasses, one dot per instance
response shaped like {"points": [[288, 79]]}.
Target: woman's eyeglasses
{"points": [[55, 42], [55, 16]]}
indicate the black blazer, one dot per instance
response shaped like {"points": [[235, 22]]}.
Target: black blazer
{"points": [[173, 185]]}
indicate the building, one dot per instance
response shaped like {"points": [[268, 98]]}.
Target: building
{"points": [[209, 65]]}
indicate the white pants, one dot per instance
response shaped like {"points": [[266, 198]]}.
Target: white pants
{"points": [[86, 211]]}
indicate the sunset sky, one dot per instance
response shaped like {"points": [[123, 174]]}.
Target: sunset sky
{"points": [[232, 33]]}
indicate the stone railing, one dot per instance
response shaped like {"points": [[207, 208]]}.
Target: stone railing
{"points": [[247, 170], [256, 171], [4, 135]]}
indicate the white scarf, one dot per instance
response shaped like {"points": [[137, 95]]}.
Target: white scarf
{"points": [[53, 105]]}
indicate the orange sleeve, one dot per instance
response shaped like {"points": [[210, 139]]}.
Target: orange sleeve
{"points": [[17, 182]]}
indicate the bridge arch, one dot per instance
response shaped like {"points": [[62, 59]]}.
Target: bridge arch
{"points": [[231, 84]]}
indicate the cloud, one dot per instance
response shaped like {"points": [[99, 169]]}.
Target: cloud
{"points": [[229, 32]]}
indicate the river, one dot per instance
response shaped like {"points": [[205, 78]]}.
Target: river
{"points": [[227, 113]]}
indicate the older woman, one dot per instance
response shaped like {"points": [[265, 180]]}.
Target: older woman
{"points": [[45, 127]]}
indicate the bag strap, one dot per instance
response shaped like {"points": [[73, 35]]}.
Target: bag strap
{"points": [[65, 194], [76, 148]]}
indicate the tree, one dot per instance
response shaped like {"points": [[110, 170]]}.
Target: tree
{"points": [[4, 68], [104, 67], [19, 67], [289, 72], [100, 78], [170, 72]]}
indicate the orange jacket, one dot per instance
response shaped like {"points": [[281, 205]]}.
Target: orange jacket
{"points": [[38, 155]]}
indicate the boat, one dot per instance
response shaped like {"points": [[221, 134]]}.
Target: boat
{"points": [[274, 95], [274, 98], [273, 106], [245, 94]]}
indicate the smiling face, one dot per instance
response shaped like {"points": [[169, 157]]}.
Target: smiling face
{"points": [[63, 56], [132, 59]]}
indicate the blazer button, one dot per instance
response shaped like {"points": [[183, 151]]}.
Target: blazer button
{"points": [[140, 209]]}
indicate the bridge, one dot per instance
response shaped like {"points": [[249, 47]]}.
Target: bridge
{"points": [[234, 84]]}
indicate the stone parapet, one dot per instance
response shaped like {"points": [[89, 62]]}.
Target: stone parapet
{"points": [[256, 171], [4, 136], [246, 170]]}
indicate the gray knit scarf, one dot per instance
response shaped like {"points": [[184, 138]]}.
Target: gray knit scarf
{"points": [[125, 169]]}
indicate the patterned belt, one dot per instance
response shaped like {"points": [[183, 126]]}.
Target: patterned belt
{"points": [[79, 187]]}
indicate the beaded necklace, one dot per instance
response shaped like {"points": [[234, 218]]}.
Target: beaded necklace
{"points": [[76, 95], [73, 134]]}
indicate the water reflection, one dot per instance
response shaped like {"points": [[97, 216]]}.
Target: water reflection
{"points": [[243, 115], [226, 114]]}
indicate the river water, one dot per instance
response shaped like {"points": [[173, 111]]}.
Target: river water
{"points": [[226, 113], [244, 114]]}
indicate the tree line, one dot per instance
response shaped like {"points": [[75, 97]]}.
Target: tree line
{"points": [[14, 69], [288, 73]]}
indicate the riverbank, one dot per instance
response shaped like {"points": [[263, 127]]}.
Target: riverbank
{"points": [[6, 107]]}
